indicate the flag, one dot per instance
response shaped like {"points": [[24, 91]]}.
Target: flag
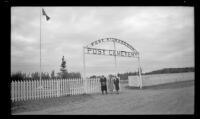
{"points": [[44, 13]]}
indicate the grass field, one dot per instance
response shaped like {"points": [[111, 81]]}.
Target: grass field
{"points": [[174, 98]]}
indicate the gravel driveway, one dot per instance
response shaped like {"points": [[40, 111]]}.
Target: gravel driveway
{"points": [[175, 98]]}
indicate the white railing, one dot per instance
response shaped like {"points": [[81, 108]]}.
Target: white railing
{"points": [[35, 89], [157, 79]]}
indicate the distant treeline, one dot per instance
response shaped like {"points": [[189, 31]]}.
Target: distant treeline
{"points": [[36, 76], [124, 76], [171, 70]]}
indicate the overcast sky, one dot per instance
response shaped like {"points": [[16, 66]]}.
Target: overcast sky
{"points": [[164, 37]]}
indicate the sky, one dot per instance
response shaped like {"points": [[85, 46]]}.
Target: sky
{"points": [[164, 37]]}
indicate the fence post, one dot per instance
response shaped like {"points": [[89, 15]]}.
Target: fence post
{"points": [[43, 91], [28, 90], [85, 85], [53, 88], [33, 81], [71, 87], [89, 85], [58, 87], [72, 83], [39, 84], [31, 89], [68, 87], [52, 83], [36, 92], [79, 85], [74, 86], [51, 91], [45, 88], [48, 87], [61, 87], [21, 90], [95, 85], [12, 91], [65, 89], [16, 90], [77, 80]]}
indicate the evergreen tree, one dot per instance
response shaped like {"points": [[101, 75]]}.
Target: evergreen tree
{"points": [[63, 68], [53, 74]]}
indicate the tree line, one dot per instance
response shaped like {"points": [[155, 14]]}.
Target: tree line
{"points": [[171, 70], [44, 75], [124, 76], [63, 74]]}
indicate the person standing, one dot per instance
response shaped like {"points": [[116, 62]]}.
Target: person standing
{"points": [[111, 84], [103, 84], [116, 83]]}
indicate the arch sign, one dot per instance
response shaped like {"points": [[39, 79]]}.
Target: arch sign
{"points": [[89, 49]]}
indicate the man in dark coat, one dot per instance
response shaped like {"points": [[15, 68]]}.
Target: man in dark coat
{"points": [[116, 83], [103, 84]]}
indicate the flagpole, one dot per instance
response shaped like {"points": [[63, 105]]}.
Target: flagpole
{"points": [[40, 46]]}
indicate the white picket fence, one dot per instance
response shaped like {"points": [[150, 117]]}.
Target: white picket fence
{"points": [[35, 89]]}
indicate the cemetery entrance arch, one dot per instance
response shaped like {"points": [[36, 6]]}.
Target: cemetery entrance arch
{"points": [[90, 49]]}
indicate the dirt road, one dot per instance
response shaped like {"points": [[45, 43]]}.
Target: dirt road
{"points": [[167, 99]]}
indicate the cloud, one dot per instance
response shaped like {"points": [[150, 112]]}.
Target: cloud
{"points": [[160, 34]]}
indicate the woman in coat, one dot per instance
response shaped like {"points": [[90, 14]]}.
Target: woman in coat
{"points": [[103, 84], [116, 82], [111, 84]]}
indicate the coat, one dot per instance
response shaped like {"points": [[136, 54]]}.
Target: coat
{"points": [[116, 82], [111, 84], [103, 83]]}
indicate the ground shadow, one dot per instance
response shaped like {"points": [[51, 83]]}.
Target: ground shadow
{"points": [[165, 86]]}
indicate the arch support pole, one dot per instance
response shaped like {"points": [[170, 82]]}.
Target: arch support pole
{"points": [[83, 62], [115, 57], [84, 75], [139, 67]]}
